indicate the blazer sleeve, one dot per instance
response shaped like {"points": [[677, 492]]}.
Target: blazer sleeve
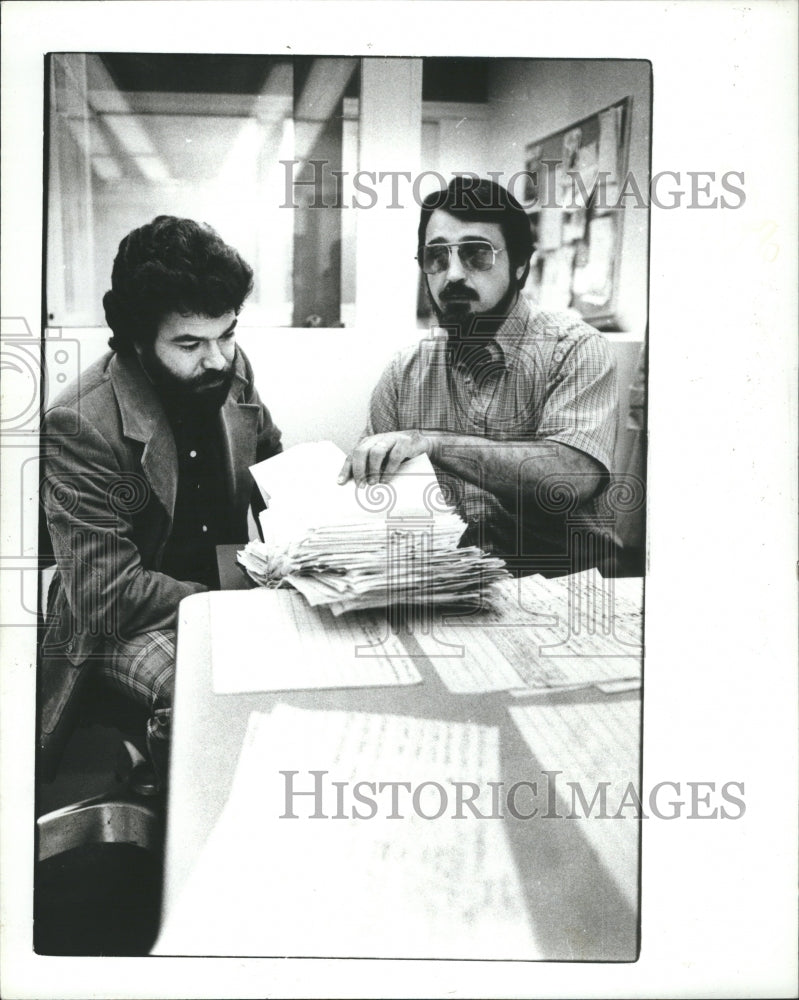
{"points": [[90, 502]]}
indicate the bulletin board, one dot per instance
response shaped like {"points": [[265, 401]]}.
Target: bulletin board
{"points": [[572, 185]]}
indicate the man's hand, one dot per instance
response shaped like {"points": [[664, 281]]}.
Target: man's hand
{"points": [[378, 458]]}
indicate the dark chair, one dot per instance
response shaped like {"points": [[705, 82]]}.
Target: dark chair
{"points": [[129, 813], [99, 858]]}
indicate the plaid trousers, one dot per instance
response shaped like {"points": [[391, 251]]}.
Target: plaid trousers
{"points": [[143, 668]]}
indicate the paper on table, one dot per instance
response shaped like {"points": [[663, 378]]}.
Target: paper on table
{"points": [[403, 887], [602, 608], [567, 632], [629, 590], [616, 687], [271, 640], [359, 547], [588, 744], [298, 471], [300, 486], [545, 692], [606, 687]]}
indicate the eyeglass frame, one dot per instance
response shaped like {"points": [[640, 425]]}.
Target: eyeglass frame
{"points": [[450, 247]]}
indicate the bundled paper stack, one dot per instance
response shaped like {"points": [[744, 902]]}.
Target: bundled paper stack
{"points": [[350, 547]]}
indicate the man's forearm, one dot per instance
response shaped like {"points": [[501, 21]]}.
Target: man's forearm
{"points": [[513, 470]]}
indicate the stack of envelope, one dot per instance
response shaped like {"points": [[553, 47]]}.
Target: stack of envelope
{"points": [[349, 547]]}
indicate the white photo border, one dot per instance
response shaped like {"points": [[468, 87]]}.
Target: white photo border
{"points": [[719, 911]]}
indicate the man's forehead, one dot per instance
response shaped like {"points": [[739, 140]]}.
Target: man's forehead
{"points": [[176, 325], [447, 228]]}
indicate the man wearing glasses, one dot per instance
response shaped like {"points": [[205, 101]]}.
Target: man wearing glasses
{"points": [[515, 406]]}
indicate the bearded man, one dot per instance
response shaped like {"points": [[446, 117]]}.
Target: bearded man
{"points": [[145, 472], [515, 406]]}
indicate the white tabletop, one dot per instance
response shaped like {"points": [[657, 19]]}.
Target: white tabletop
{"points": [[577, 878]]}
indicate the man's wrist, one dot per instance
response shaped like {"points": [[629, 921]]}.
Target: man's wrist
{"points": [[430, 443]]}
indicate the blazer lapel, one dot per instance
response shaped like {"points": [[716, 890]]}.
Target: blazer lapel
{"points": [[240, 435], [144, 420]]}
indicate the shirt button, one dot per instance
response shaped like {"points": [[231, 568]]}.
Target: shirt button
{"points": [[192, 454], [205, 528]]}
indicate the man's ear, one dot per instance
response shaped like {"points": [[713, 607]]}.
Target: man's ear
{"points": [[520, 272]]}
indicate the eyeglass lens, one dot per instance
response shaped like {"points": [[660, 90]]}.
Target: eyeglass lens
{"points": [[473, 256]]}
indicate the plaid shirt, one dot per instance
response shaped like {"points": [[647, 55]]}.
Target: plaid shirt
{"points": [[543, 377]]}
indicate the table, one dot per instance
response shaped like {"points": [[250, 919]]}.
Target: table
{"points": [[576, 905]]}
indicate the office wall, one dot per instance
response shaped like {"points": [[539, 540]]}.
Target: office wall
{"points": [[456, 138], [318, 382], [530, 99]]}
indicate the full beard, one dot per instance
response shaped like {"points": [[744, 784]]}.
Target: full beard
{"points": [[203, 394], [461, 322]]}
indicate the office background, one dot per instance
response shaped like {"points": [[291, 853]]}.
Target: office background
{"points": [[231, 139]]}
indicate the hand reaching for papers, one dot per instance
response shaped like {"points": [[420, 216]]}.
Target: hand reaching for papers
{"points": [[378, 458], [347, 551]]}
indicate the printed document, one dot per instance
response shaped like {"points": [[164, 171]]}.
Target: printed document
{"points": [[273, 880], [271, 640]]}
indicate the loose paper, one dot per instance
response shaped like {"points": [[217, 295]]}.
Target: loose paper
{"points": [[271, 640], [373, 546], [380, 887], [568, 632], [588, 745]]}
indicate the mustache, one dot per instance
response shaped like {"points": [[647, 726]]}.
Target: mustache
{"points": [[212, 378], [457, 290]]}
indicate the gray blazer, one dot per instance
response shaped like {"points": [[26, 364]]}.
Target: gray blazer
{"points": [[108, 487]]}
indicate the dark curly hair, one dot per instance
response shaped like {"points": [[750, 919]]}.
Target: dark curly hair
{"points": [[476, 199], [171, 265]]}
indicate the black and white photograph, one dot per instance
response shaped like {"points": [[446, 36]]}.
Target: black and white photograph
{"points": [[473, 637], [375, 595]]}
